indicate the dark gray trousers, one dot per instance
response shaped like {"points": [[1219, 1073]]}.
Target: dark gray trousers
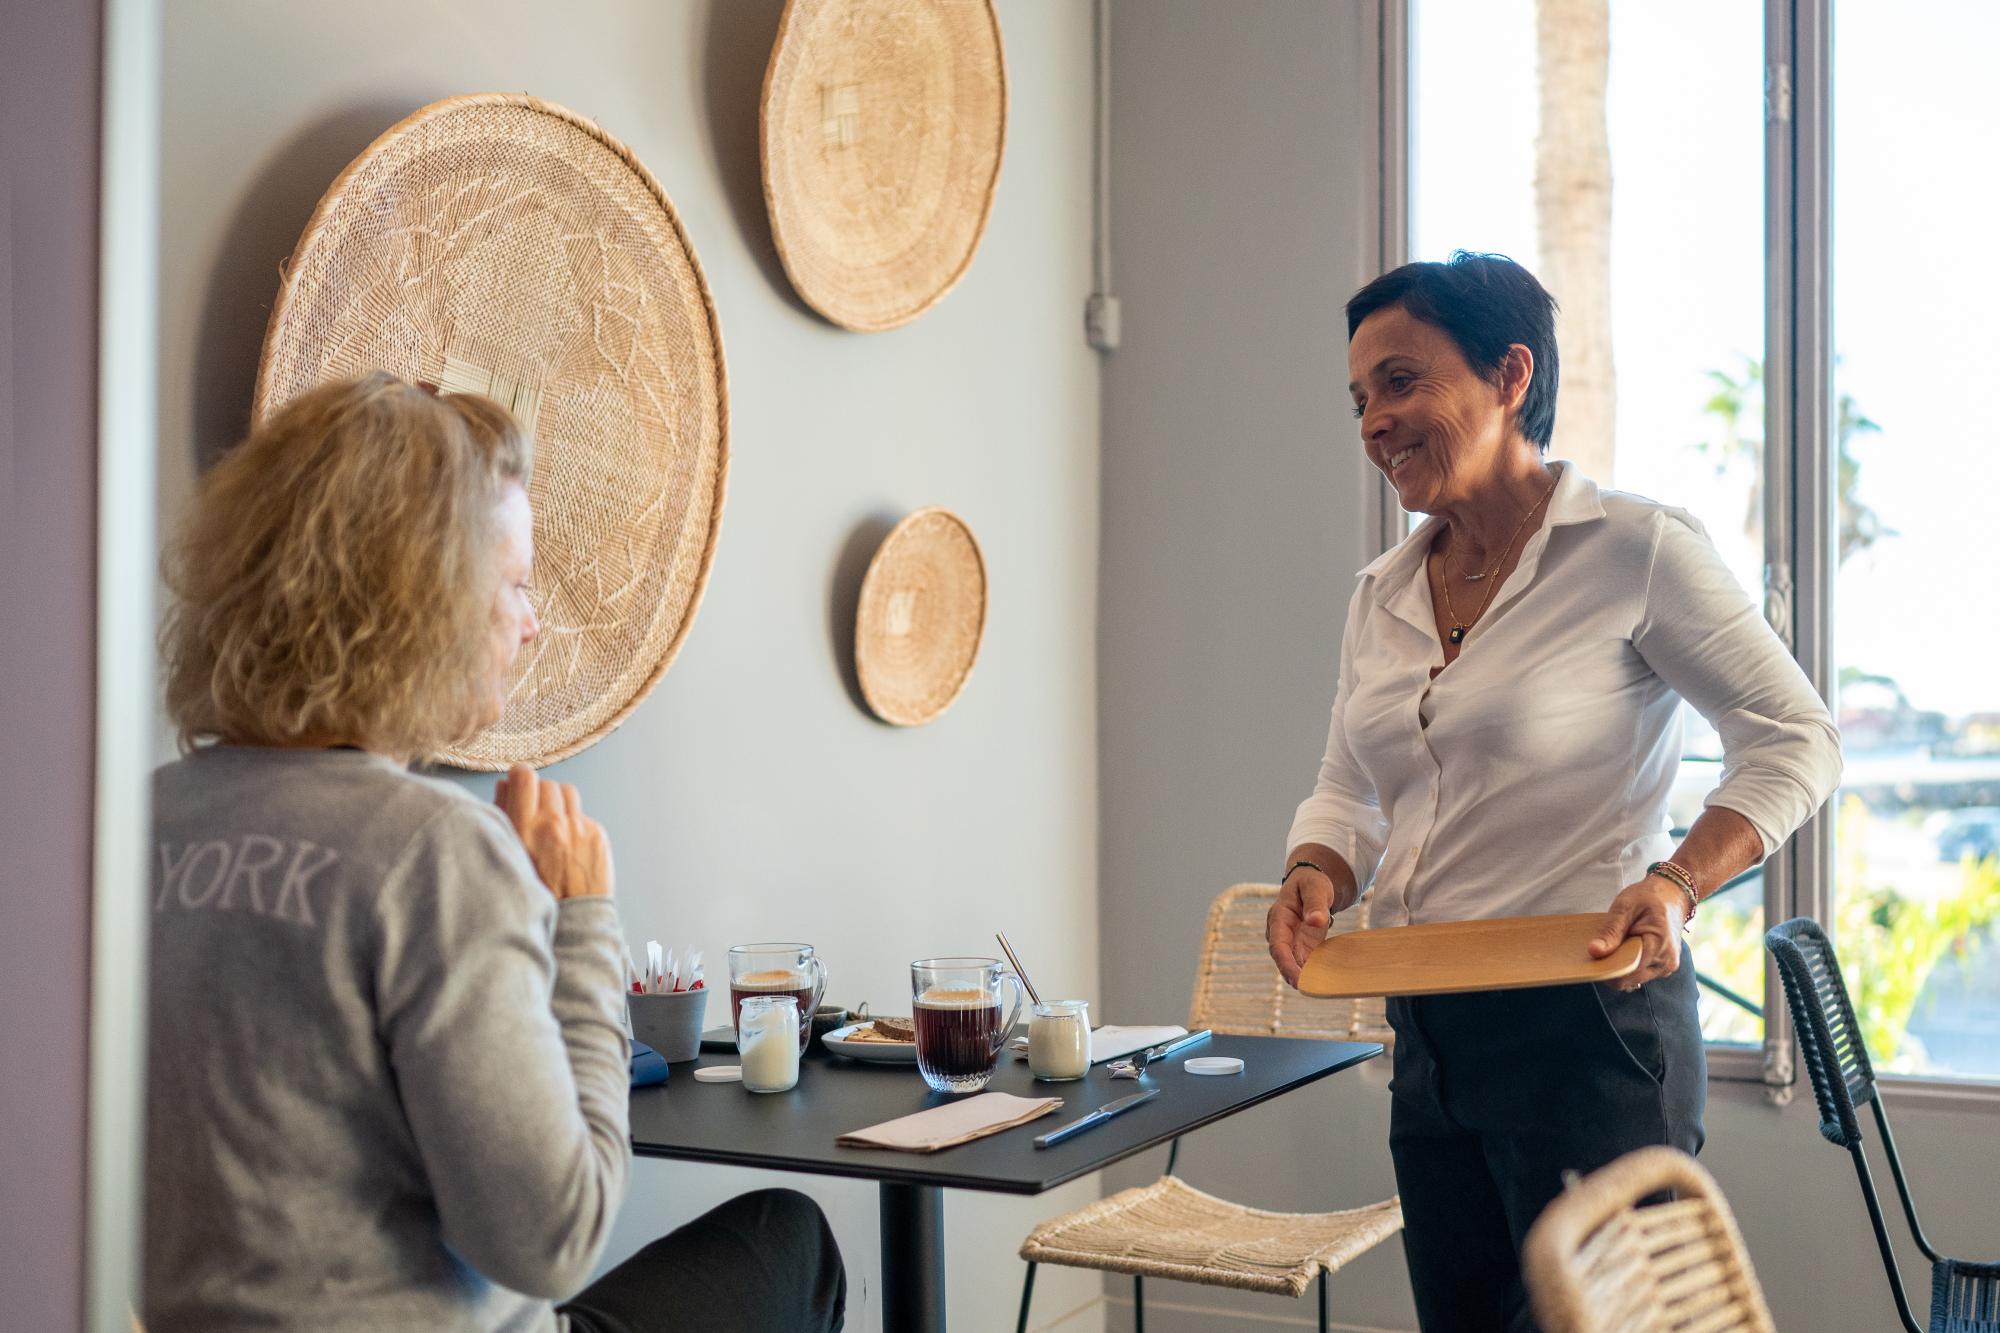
{"points": [[1496, 1094], [763, 1262]]}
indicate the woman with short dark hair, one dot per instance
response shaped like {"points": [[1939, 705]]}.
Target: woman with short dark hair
{"points": [[1505, 733], [387, 1067]]}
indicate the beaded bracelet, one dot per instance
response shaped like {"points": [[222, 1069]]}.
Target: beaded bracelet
{"points": [[1681, 878]]}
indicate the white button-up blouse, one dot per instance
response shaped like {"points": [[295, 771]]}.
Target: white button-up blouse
{"points": [[1531, 776]]}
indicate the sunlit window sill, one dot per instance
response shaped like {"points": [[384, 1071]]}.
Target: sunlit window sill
{"points": [[1741, 1065]]}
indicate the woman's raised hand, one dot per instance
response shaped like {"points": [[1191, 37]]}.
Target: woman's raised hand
{"points": [[570, 850], [1651, 912], [1297, 922]]}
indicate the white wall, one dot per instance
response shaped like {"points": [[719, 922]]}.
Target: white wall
{"points": [[750, 797], [1243, 193]]}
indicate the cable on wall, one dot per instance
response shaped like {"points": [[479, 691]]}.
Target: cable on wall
{"points": [[1100, 312]]}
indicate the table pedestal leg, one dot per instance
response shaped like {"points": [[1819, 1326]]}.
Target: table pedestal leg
{"points": [[912, 1258]]}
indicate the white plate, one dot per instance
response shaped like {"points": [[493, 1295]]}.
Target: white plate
{"points": [[874, 1052]]}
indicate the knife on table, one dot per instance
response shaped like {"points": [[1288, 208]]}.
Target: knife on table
{"points": [[1097, 1117]]}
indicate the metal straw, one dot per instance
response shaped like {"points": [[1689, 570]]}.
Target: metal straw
{"points": [[1019, 971]]}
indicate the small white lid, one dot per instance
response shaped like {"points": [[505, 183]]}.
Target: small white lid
{"points": [[726, 1074], [1201, 1064]]}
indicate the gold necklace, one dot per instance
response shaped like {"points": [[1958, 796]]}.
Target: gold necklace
{"points": [[1460, 628]]}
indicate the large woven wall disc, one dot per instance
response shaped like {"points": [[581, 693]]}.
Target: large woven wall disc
{"points": [[923, 611], [503, 245], [883, 122]]}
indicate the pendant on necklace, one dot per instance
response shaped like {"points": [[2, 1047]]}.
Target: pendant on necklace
{"points": [[1472, 578], [1458, 633]]}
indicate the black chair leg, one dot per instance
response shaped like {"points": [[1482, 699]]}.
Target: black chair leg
{"points": [[1322, 1301], [1027, 1293], [1138, 1304]]}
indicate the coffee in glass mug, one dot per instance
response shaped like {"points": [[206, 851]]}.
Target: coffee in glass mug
{"points": [[956, 1008], [775, 969]]}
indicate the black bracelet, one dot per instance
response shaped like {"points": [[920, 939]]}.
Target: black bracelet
{"points": [[1310, 865]]}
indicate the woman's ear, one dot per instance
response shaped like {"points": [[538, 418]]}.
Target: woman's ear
{"points": [[1517, 372]]}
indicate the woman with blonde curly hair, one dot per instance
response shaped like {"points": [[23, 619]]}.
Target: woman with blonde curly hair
{"points": [[388, 1073]]}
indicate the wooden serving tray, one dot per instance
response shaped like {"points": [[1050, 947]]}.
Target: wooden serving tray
{"points": [[1504, 953]]}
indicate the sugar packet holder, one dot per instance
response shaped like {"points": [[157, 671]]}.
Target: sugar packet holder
{"points": [[665, 972]]}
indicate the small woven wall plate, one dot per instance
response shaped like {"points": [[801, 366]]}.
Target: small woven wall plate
{"points": [[883, 124], [922, 614], [501, 244]]}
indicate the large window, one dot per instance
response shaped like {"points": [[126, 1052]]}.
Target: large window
{"points": [[1657, 173], [1916, 455]]}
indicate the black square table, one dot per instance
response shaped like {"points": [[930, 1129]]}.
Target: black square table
{"points": [[795, 1131]]}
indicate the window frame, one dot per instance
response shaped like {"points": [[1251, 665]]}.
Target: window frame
{"points": [[1799, 481]]}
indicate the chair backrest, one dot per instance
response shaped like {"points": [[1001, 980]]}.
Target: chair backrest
{"points": [[1237, 988], [1829, 1037], [1843, 1079], [1601, 1260]]}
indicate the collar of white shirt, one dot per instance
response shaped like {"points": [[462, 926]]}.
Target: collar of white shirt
{"points": [[1576, 500]]}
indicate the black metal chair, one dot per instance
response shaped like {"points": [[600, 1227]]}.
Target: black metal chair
{"points": [[1965, 1297]]}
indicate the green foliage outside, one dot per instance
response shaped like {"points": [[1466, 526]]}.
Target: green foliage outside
{"points": [[1737, 406], [1729, 946], [1888, 946]]}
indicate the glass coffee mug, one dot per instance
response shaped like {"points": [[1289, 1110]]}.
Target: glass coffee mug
{"points": [[957, 1004], [775, 969]]}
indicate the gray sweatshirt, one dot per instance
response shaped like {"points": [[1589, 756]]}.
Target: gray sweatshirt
{"points": [[387, 1072]]}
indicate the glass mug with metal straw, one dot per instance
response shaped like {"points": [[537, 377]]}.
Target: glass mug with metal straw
{"points": [[956, 1008], [776, 969]]}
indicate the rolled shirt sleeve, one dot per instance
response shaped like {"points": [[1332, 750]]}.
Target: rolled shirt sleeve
{"points": [[1705, 639], [1344, 811]]}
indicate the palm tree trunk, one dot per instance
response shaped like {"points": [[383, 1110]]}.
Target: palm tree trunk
{"points": [[1573, 221]]}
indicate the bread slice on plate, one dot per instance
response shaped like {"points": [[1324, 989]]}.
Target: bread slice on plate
{"points": [[896, 1029]]}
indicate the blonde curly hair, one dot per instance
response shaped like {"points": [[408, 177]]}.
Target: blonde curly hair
{"points": [[335, 578]]}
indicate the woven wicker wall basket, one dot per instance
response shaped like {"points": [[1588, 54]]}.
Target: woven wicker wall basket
{"points": [[883, 123], [503, 245], [922, 615]]}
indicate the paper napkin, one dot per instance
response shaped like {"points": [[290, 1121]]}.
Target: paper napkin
{"points": [[954, 1123]]}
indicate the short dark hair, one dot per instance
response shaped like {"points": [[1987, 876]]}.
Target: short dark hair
{"points": [[1486, 303]]}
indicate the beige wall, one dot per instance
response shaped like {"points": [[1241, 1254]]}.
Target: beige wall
{"points": [[749, 797], [1243, 194]]}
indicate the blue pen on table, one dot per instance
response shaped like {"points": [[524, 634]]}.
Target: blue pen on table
{"points": [[1097, 1117]]}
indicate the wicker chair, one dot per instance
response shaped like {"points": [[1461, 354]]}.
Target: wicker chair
{"points": [[1965, 1297], [1170, 1229], [1601, 1259]]}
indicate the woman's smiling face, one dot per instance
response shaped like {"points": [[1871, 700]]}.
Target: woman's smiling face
{"points": [[1434, 426]]}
